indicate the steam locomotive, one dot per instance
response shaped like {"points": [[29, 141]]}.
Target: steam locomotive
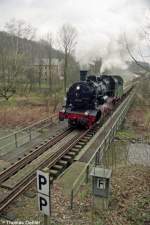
{"points": [[90, 99]]}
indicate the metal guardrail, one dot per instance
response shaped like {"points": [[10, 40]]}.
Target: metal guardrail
{"points": [[26, 134], [97, 157]]}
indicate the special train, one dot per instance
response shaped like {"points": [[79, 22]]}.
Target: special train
{"points": [[91, 98]]}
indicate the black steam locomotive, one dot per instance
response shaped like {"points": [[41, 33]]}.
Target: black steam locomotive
{"points": [[91, 98]]}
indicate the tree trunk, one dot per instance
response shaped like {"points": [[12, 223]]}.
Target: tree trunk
{"points": [[65, 72]]}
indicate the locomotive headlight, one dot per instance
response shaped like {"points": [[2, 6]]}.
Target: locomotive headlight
{"points": [[86, 113], [63, 110], [78, 87], [105, 97]]}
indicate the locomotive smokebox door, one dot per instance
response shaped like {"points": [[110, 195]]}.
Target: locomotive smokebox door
{"points": [[101, 178]]}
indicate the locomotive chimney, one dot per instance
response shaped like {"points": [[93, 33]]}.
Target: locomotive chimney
{"points": [[83, 74]]}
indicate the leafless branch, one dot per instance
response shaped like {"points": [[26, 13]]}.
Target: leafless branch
{"points": [[133, 57]]}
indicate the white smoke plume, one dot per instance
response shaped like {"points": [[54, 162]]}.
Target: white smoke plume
{"points": [[101, 24], [124, 22]]}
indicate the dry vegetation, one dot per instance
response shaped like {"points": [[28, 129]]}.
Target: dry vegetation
{"points": [[21, 111], [129, 203], [131, 197], [139, 119], [21, 116]]}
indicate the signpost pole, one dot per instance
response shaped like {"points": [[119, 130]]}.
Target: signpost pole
{"points": [[45, 220]]}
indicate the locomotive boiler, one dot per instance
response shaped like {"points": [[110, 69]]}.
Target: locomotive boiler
{"points": [[91, 98]]}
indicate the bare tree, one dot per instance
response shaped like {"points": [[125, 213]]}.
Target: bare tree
{"points": [[14, 57], [11, 65], [47, 43], [131, 54], [49, 40], [67, 39], [20, 29]]}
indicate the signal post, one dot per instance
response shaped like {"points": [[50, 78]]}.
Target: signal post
{"points": [[43, 189]]}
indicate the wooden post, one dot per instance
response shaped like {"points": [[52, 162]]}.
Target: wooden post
{"points": [[16, 142], [87, 174], [45, 220], [30, 137], [71, 200], [50, 202]]}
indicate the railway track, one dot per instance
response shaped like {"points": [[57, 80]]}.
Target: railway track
{"points": [[57, 162], [34, 153]]}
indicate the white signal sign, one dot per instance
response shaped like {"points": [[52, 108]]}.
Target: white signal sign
{"points": [[43, 188]]}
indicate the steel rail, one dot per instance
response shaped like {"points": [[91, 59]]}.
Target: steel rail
{"points": [[31, 156], [61, 152], [25, 183]]}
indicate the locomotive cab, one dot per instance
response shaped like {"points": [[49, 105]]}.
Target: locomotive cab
{"points": [[110, 83]]}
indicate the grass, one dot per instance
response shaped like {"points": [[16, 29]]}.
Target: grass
{"points": [[17, 100], [125, 134]]}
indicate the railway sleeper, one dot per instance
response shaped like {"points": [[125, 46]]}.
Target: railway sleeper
{"points": [[58, 167], [91, 131], [94, 132], [67, 157], [75, 149], [71, 153], [89, 135], [63, 162], [77, 146], [81, 143], [86, 139], [54, 172]]}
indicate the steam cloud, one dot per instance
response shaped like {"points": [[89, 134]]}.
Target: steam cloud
{"points": [[128, 21], [100, 24]]}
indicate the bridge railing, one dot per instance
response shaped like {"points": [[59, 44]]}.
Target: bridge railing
{"points": [[25, 135], [118, 116]]}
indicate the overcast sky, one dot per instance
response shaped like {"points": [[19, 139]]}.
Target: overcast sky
{"points": [[100, 23]]}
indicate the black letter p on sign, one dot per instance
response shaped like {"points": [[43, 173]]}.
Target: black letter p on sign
{"points": [[43, 182]]}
